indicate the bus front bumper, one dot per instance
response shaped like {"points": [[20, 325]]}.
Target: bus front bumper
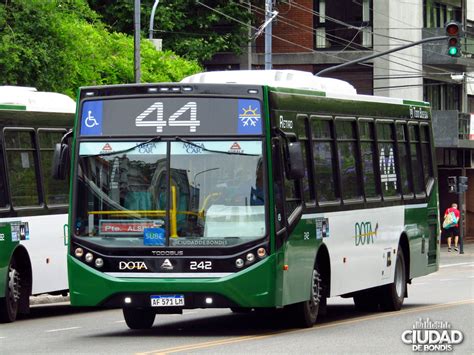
{"points": [[252, 287]]}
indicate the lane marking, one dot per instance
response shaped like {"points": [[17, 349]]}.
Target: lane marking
{"points": [[119, 321], [316, 327], [458, 264], [61, 329]]}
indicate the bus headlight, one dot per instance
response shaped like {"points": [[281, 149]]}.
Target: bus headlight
{"points": [[99, 262], [89, 257], [250, 257], [261, 252], [239, 263], [79, 252]]}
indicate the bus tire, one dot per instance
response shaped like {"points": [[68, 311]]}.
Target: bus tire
{"points": [[304, 314], [10, 303], [137, 318], [393, 295]]}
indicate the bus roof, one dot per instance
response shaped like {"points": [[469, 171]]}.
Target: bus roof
{"points": [[295, 79], [29, 99]]}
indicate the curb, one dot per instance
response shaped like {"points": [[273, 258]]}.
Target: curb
{"points": [[48, 299]]}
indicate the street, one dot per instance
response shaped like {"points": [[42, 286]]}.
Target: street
{"points": [[447, 296]]}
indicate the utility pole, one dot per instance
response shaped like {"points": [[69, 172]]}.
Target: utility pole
{"points": [[268, 34], [136, 21]]}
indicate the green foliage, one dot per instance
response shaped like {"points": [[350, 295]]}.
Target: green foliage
{"points": [[193, 29], [59, 45]]}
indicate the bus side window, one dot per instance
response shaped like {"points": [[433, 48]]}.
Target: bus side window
{"points": [[22, 167], [389, 174], [404, 157], [303, 136], [292, 193], [426, 152], [3, 183], [56, 191], [368, 159], [348, 154], [415, 152], [324, 158]]}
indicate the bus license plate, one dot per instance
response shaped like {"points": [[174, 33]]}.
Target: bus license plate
{"points": [[167, 301]]}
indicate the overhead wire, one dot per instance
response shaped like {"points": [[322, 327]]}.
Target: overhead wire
{"points": [[382, 35], [336, 39], [412, 27], [378, 34], [323, 53], [347, 25], [274, 36], [339, 40]]}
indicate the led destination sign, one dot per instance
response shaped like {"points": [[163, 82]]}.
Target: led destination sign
{"points": [[171, 116]]}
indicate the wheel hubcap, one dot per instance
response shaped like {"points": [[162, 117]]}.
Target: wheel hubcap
{"points": [[14, 285], [315, 292]]}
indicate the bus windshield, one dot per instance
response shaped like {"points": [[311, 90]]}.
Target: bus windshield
{"points": [[200, 193]]}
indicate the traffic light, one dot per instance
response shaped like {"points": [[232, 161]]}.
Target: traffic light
{"points": [[452, 184], [462, 184], [453, 31]]}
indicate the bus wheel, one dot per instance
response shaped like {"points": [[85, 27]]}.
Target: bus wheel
{"points": [[392, 295], [305, 313], [137, 318], [9, 304]]}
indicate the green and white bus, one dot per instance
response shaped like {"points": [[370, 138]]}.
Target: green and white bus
{"points": [[249, 190], [33, 206]]}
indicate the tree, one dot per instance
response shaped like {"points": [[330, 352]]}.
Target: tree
{"points": [[59, 45], [194, 29]]}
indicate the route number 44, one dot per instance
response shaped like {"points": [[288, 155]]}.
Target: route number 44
{"points": [[175, 120]]}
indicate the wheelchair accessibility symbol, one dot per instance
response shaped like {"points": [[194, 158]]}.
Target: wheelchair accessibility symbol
{"points": [[90, 120]]}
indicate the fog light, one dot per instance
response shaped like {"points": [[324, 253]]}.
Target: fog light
{"points": [[89, 257], [99, 262], [79, 252], [128, 300], [208, 300], [239, 263], [250, 257], [261, 252]]}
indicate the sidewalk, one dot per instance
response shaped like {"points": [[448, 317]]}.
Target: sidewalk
{"points": [[454, 257], [48, 299]]}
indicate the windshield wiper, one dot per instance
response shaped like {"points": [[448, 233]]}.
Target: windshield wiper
{"points": [[212, 150], [154, 139]]}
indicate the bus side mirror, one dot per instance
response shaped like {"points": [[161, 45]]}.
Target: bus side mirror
{"points": [[61, 161], [295, 163]]}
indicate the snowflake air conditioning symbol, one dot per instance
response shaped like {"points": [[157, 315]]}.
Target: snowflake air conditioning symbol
{"points": [[249, 117]]}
